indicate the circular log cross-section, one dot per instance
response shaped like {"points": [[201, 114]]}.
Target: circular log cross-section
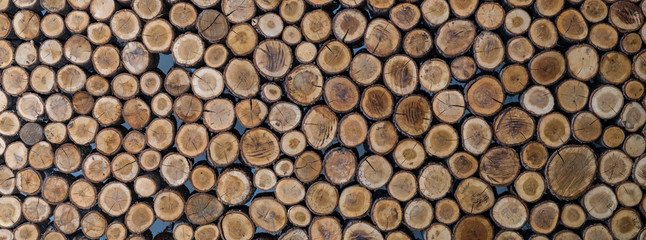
{"points": [[570, 170]]}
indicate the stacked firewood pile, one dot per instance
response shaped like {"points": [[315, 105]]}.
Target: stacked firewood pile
{"points": [[322, 119]]}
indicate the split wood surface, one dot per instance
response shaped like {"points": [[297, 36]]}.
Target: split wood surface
{"points": [[322, 119]]}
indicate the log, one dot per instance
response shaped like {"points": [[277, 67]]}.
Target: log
{"points": [[305, 52], [183, 15], [157, 35], [207, 83], [576, 179], [215, 56], [614, 167], [134, 142], [517, 20], [227, 148], [292, 10], [175, 169], [472, 227], [633, 89], [261, 208], [7, 52], [243, 41], [353, 130], [115, 198], [284, 167], [499, 166], [572, 215], [490, 15], [438, 231], [349, 25], [187, 49], [83, 194], [236, 225], [77, 21], [441, 140], [212, 25], [361, 229], [462, 165], [476, 135], [434, 181], [455, 37], [26, 24], [188, 108], [26, 55], [168, 205], [402, 186], [16, 155], [381, 37], [554, 130], [116, 230], [509, 212], [418, 214], [15, 80], [31, 133], [299, 216], [208, 231], [93, 224], [633, 145], [66, 218], [386, 213], [413, 115], [334, 57], [67, 158], [29, 182], [600, 202], [202, 208], [586, 64], [382, 137], [146, 186], [149, 159], [259, 147], [50, 52], [13, 207], [55, 132], [625, 16], [265, 179], [489, 51], [603, 36], [629, 194], [10, 123], [249, 116], [124, 167], [183, 231], [374, 172], [513, 127], [409, 154], [631, 43], [321, 199], [7, 183], [269, 25], [203, 178], [125, 86], [234, 187], [586, 127], [474, 196], [625, 224], [598, 231], [544, 217], [572, 95]]}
